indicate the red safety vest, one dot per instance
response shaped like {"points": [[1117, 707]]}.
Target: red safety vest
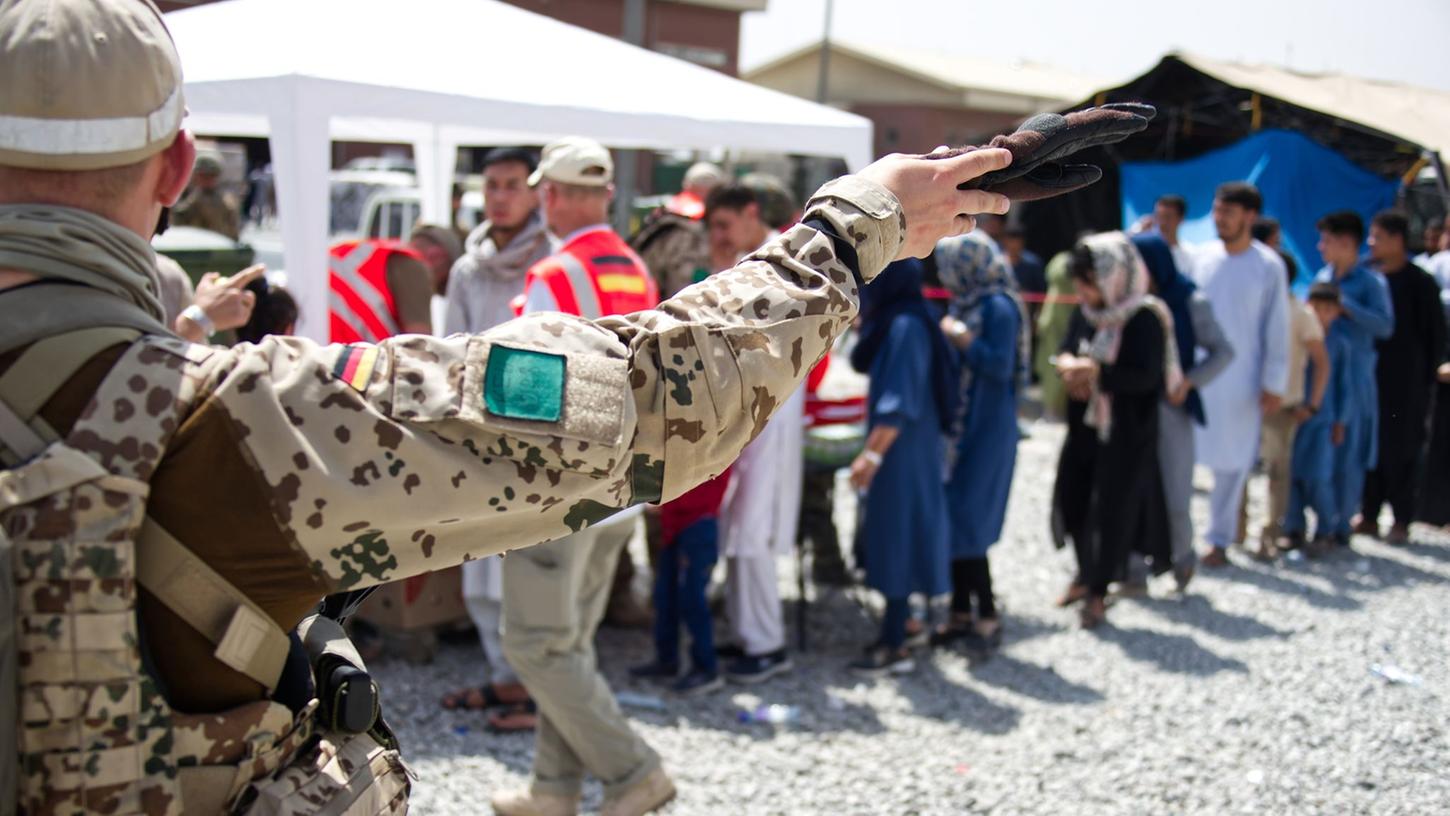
{"points": [[360, 306], [595, 274]]}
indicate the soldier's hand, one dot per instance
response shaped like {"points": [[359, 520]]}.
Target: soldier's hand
{"points": [[927, 190], [226, 301]]}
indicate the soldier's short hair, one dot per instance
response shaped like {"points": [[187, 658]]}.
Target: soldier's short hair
{"points": [[103, 188]]}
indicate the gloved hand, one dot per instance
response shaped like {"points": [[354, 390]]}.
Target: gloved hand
{"points": [[1039, 145]]}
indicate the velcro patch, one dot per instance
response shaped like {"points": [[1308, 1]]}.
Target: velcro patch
{"points": [[524, 384]]}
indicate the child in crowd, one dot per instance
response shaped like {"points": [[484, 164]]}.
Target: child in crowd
{"points": [[689, 533], [1320, 430], [904, 547]]}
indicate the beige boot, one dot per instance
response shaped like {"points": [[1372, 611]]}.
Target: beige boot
{"points": [[646, 796], [525, 802]]}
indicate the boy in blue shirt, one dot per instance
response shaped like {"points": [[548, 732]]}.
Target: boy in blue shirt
{"points": [[1368, 316], [1321, 432]]}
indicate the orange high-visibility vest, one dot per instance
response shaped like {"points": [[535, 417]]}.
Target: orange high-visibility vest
{"points": [[595, 274], [360, 306]]}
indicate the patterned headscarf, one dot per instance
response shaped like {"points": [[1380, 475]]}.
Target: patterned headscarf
{"points": [[973, 269], [1122, 277]]}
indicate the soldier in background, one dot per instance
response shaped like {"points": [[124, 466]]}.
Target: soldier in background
{"points": [[672, 241], [205, 204], [778, 208], [207, 498]]}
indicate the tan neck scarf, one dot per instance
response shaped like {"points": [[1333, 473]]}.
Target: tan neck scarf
{"points": [[66, 244]]}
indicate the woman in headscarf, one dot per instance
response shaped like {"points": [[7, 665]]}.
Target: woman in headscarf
{"points": [[987, 324], [1194, 328], [911, 398], [1130, 363]]}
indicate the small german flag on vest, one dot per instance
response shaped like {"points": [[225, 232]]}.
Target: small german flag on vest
{"points": [[355, 365]]}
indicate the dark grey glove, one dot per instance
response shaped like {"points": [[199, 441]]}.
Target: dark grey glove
{"points": [[1039, 145]]}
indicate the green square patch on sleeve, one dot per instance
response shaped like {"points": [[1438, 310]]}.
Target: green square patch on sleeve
{"points": [[524, 384]]}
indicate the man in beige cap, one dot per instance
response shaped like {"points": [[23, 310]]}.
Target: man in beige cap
{"points": [[205, 204], [205, 498], [556, 594]]}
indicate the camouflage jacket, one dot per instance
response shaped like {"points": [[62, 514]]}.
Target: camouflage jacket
{"points": [[307, 469], [675, 249], [209, 209]]}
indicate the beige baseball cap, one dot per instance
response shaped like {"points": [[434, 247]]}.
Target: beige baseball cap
{"points": [[575, 160], [86, 84]]}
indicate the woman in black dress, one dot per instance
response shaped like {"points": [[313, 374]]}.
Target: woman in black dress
{"points": [[1123, 369]]}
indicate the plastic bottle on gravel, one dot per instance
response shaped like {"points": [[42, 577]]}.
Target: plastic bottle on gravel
{"points": [[772, 714]]}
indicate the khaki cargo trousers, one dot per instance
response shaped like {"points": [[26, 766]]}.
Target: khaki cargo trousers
{"points": [[554, 597]]}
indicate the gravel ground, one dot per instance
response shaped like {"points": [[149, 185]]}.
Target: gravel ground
{"points": [[1253, 694]]}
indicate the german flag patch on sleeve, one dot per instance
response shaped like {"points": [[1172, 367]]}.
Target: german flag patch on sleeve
{"points": [[355, 365]]}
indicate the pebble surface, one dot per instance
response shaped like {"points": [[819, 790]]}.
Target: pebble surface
{"points": [[1255, 693]]}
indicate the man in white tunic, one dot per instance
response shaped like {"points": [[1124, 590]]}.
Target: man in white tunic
{"points": [[759, 516], [1246, 283]]}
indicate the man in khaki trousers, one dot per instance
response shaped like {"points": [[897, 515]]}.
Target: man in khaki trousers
{"points": [[555, 595], [554, 598]]}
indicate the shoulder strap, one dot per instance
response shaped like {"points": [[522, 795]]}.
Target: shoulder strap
{"points": [[40, 310], [40, 371], [246, 639]]}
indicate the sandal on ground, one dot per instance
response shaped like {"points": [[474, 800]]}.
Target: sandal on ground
{"points": [[982, 644], [514, 719], [956, 628], [1094, 612], [1075, 592], [473, 698], [917, 633]]}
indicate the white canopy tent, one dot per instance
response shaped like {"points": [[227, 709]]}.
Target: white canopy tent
{"points": [[443, 73]]}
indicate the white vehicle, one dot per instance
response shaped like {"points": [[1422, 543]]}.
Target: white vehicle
{"points": [[391, 213]]}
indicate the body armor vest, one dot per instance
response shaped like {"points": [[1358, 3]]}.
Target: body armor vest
{"points": [[94, 734]]}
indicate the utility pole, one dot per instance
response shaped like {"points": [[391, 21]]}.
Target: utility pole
{"points": [[823, 78], [627, 168], [814, 170]]}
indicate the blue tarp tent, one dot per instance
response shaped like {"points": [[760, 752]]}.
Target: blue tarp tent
{"points": [[1301, 180]]}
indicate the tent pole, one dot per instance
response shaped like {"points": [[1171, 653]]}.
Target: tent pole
{"points": [[301, 145], [626, 166]]}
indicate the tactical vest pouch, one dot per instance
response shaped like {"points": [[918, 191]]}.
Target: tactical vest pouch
{"points": [[343, 774], [352, 766], [350, 700]]}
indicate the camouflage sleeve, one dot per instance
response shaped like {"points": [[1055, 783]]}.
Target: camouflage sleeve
{"points": [[418, 453]]}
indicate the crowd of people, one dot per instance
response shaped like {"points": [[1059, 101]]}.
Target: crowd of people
{"points": [[1232, 371], [1160, 357]]}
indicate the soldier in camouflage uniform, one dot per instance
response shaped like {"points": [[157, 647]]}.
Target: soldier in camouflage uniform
{"points": [[205, 204], [168, 512]]}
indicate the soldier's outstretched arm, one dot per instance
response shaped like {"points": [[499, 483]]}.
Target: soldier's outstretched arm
{"points": [[415, 454]]}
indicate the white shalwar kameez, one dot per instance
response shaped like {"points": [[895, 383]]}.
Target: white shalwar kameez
{"points": [[1249, 293]]}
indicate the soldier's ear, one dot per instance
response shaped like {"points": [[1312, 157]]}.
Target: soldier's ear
{"points": [[176, 163]]}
